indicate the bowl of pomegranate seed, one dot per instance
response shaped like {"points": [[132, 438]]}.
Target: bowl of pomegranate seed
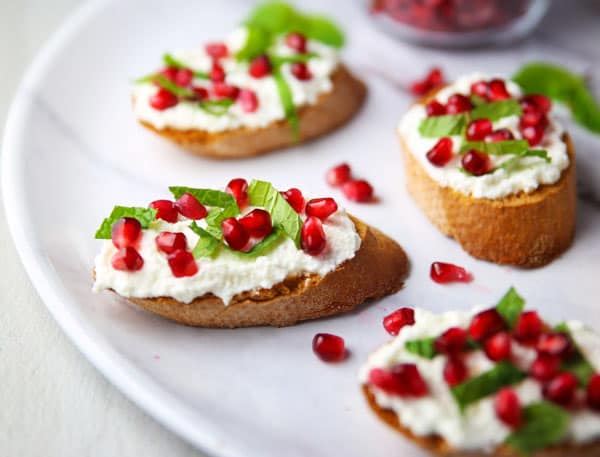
{"points": [[458, 23]]}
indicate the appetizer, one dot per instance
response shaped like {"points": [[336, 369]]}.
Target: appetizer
{"points": [[248, 256], [493, 170], [489, 382], [273, 82]]}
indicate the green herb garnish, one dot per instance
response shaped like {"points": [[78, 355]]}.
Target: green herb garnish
{"points": [[216, 107], [216, 216], [423, 347], [258, 41], [207, 245], [446, 125], [510, 306], [577, 363], [166, 83], [143, 215], [497, 110], [289, 109], [171, 61], [280, 60], [496, 148], [208, 197]]}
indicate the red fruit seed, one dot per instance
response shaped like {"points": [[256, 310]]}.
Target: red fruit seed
{"points": [[127, 259], [217, 50], [441, 153], [163, 99], [328, 347], [458, 103], [182, 263], [300, 71], [189, 206], [217, 74], [184, 77], [238, 187], [499, 135], [497, 90], [452, 341], [165, 210], [561, 389], [358, 190], [557, 344], [485, 324], [478, 129], [126, 232], [403, 380], [528, 327], [533, 134], [593, 392], [394, 322], [235, 234], [476, 162], [443, 273], [297, 42], [224, 90], [481, 89], [545, 367], [455, 371], [339, 175], [508, 407], [257, 223], [248, 100], [321, 207], [260, 67], [498, 346], [295, 198], [313, 237], [169, 242], [435, 108]]}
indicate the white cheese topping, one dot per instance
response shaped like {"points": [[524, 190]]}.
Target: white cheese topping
{"points": [[226, 275], [532, 173], [478, 428], [187, 115]]}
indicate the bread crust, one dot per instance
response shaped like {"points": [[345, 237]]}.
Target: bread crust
{"points": [[332, 110], [378, 268], [526, 230], [438, 446]]}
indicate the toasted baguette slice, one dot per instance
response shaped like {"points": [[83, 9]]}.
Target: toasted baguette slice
{"points": [[378, 268], [526, 230], [438, 446], [332, 110]]}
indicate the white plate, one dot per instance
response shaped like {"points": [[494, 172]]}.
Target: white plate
{"points": [[72, 150]]}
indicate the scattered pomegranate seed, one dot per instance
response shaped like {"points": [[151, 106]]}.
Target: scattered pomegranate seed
{"points": [[593, 392], [403, 380], [260, 67], [455, 371], [182, 263], [443, 273], [170, 73], [238, 187], [545, 367], [452, 341], [478, 129], [248, 99], [339, 175], [499, 135], [358, 190], [224, 90], [432, 80], [184, 77], [561, 389], [328, 347], [394, 322], [126, 232], [532, 117], [321, 207], [190, 207], [476, 162], [217, 50], [200, 92], [528, 327], [235, 234], [163, 99], [257, 223], [485, 324], [539, 100], [169, 242], [458, 103], [127, 259], [313, 236], [165, 210], [217, 74], [296, 41], [557, 344], [295, 198], [441, 153], [498, 347], [481, 89], [533, 134], [300, 71], [508, 407], [435, 108], [497, 90]]}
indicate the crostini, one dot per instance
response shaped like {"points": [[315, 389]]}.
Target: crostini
{"points": [[489, 382], [275, 81], [248, 256], [492, 169]]}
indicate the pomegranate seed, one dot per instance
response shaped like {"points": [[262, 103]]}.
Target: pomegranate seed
{"points": [[497, 90], [435, 108], [249, 101], [165, 210], [561, 389], [238, 187], [403, 380], [127, 259], [184, 77], [480, 88], [539, 100], [260, 67], [443, 273], [217, 74], [498, 347], [508, 407], [528, 327], [170, 73], [394, 322], [200, 92], [235, 233], [452, 341], [190, 207], [593, 392], [478, 129], [557, 344], [419, 88], [321, 207], [499, 135], [531, 117], [545, 367], [257, 223], [485, 324], [441, 153], [476, 162], [300, 71], [432, 80], [126, 232], [295, 198], [224, 90], [455, 371], [182, 263], [217, 50], [328, 347], [169, 242], [358, 190], [458, 103], [297, 42], [339, 175], [163, 99], [533, 134], [313, 236]]}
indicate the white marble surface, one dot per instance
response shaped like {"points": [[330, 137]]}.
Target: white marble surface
{"points": [[53, 401]]}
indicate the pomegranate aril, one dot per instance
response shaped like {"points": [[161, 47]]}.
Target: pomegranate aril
{"points": [[497, 90], [126, 232], [435, 108], [498, 347], [545, 367], [476, 162], [184, 77], [533, 134], [190, 207], [478, 129], [480, 88], [458, 103], [248, 99], [328, 347], [394, 322], [443, 273], [539, 100], [201, 93], [300, 71], [217, 50], [127, 259], [312, 236], [358, 190], [224, 90], [165, 210], [339, 175], [452, 341], [296, 41], [163, 99], [455, 371], [441, 153], [432, 80], [499, 135], [485, 324], [321, 207], [295, 198], [403, 380], [257, 223], [235, 233], [508, 407], [169, 242], [182, 263], [532, 117], [238, 187], [557, 344], [260, 67], [562, 388], [419, 88], [528, 327], [170, 73], [593, 392], [217, 74]]}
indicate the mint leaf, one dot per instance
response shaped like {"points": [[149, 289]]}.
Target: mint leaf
{"points": [[577, 363], [258, 42], [289, 109], [267, 245], [262, 193], [207, 245], [446, 125], [208, 197], [144, 215], [216, 216], [488, 383], [496, 148], [171, 61], [497, 110], [216, 107], [545, 424], [476, 100], [321, 29], [510, 306], [423, 347], [280, 60], [174, 88]]}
